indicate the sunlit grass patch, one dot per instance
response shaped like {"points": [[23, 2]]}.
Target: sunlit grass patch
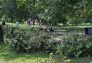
{"points": [[7, 56]]}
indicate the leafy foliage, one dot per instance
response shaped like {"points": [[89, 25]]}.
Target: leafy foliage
{"points": [[76, 46], [31, 41]]}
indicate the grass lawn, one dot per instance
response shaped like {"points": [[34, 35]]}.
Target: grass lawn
{"points": [[10, 57], [24, 26], [22, 58]]}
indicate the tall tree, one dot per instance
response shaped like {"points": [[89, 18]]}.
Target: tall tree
{"points": [[15, 9]]}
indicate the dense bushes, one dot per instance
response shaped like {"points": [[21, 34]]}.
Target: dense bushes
{"points": [[34, 40], [76, 45], [31, 40], [7, 30]]}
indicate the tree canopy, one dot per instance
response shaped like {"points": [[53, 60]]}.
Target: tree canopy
{"points": [[52, 10]]}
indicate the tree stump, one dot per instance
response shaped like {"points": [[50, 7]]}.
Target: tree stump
{"points": [[1, 35]]}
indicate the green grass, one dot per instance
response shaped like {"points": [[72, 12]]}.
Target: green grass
{"points": [[10, 57], [25, 26], [22, 58]]}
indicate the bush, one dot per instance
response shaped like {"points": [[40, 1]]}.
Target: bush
{"points": [[7, 31], [31, 41], [76, 45]]}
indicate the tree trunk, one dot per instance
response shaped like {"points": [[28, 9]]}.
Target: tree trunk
{"points": [[1, 35]]}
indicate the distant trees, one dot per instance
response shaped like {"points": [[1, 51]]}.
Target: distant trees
{"points": [[54, 11], [78, 9], [15, 9]]}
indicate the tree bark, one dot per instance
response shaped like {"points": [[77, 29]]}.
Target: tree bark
{"points": [[1, 35]]}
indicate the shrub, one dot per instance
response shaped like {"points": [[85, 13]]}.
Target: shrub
{"points": [[76, 45], [7, 31], [31, 41]]}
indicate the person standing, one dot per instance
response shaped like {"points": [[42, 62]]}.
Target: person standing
{"points": [[17, 24], [30, 20]]}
